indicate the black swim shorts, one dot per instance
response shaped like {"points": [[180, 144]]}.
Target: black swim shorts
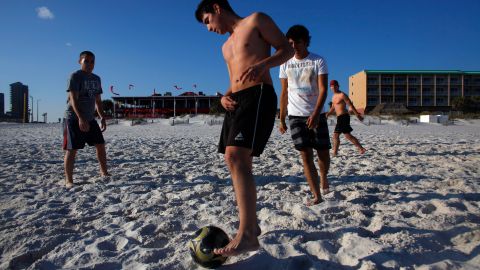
{"points": [[251, 123], [73, 138], [303, 137], [343, 124]]}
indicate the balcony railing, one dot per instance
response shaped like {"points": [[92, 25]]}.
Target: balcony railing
{"points": [[442, 93], [455, 93]]}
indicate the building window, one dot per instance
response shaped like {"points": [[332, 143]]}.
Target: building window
{"points": [[412, 101], [441, 102], [387, 80], [372, 91], [441, 80], [400, 91], [454, 80], [371, 80], [454, 91], [427, 91], [441, 91], [427, 101], [400, 80], [427, 80], [412, 80], [372, 101], [388, 99], [401, 99]]}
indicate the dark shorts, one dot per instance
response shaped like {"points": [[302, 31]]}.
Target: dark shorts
{"points": [[343, 124], [251, 123], [303, 137], [73, 138]]}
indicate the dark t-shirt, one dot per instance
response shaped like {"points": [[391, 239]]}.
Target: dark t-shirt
{"points": [[88, 85]]}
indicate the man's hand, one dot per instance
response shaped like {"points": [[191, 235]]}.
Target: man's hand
{"points": [[83, 125], [103, 124], [228, 103], [283, 127], [253, 72], [312, 121]]}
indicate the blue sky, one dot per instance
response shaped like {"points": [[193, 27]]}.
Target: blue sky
{"points": [[158, 44]]}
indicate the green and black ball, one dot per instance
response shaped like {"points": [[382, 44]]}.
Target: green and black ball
{"points": [[205, 240]]}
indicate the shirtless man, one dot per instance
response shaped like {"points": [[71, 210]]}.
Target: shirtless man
{"points": [[250, 101], [339, 105]]}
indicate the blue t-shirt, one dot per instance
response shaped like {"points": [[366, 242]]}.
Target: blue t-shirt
{"points": [[88, 85]]}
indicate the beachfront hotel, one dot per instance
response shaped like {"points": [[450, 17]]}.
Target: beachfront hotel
{"points": [[418, 90], [19, 102], [166, 105]]}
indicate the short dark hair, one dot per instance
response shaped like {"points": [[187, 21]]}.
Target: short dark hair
{"points": [[206, 6], [299, 32], [87, 53]]}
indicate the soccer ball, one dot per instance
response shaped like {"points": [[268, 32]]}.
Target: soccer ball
{"points": [[205, 241]]}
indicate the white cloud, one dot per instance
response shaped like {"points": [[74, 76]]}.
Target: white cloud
{"points": [[44, 13], [68, 44]]}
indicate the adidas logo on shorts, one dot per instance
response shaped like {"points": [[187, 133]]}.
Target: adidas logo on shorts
{"points": [[239, 137]]}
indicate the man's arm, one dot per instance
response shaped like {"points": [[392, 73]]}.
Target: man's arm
{"points": [[73, 99], [350, 104], [283, 105], [273, 36], [332, 109], [322, 81], [227, 102], [99, 106]]}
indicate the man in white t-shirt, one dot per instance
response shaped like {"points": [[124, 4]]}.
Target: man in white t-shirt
{"points": [[304, 81]]}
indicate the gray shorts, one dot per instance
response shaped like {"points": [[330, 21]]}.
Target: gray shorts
{"points": [[303, 137]]}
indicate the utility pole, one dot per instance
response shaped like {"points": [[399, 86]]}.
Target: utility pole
{"points": [[31, 111], [37, 110]]}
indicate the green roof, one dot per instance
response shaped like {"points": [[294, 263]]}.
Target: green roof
{"points": [[370, 71]]}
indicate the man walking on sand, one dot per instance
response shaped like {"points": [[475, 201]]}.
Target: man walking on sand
{"points": [[304, 81], [339, 105], [250, 102], [80, 127]]}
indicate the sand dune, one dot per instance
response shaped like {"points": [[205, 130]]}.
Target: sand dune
{"points": [[411, 202]]}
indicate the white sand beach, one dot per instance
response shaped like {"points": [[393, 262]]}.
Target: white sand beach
{"points": [[411, 202]]}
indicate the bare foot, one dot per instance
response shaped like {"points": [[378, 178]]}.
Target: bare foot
{"points": [[325, 191], [240, 244], [105, 174], [334, 154], [314, 202], [68, 184], [258, 232], [362, 150]]}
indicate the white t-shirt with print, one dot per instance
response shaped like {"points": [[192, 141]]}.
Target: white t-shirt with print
{"points": [[302, 75]]}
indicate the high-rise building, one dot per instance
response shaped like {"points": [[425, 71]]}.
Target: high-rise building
{"points": [[418, 90], [19, 102], [2, 104]]}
